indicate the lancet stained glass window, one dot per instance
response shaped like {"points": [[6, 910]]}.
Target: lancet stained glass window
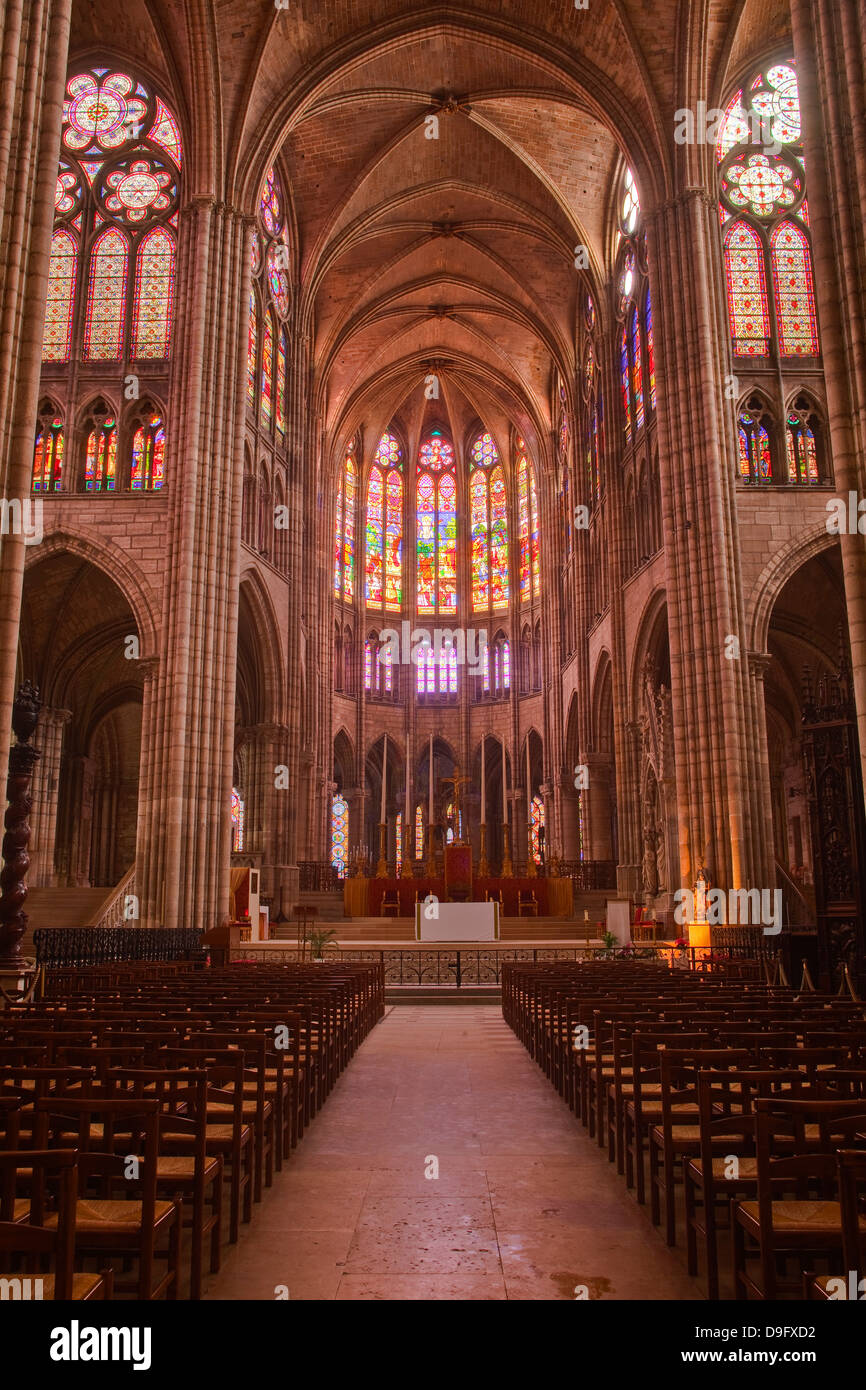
{"points": [[252, 352], [100, 464], [528, 538], [756, 463], [148, 455], [624, 383], [488, 528], [237, 814], [281, 383], [436, 526], [267, 372], [650, 351], [344, 529], [339, 834], [536, 825], [384, 528], [636, 371], [57, 333], [794, 291], [106, 296], [153, 295], [48, 457], [801, 449]]}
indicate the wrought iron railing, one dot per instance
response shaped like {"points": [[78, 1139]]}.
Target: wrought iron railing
{"points": [[318, 877], [478, 965], [72, 946]]}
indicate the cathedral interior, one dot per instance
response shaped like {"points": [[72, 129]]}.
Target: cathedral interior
{"points": [[431, 427]]}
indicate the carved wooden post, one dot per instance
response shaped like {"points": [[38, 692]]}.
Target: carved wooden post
{"points": [[22, 756]]}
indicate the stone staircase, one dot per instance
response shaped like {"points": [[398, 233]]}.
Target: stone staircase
{"points": [[63, 907]]}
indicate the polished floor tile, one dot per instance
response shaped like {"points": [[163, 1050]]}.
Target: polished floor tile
{"points": [[444, 1167]]}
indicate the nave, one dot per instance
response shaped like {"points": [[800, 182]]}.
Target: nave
{"points": [[524, 1206]]}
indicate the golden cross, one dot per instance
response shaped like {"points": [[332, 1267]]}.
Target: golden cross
{"points": [[456, 782]]}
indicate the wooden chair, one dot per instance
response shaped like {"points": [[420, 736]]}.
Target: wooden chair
{"points": [[128, 1227], [780, 1224], [51, 1176], [527, 903], [194, 1177], [390, 903]]}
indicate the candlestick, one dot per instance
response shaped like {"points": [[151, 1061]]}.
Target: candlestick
{"points": [[504, 787], [530, 861], [384, 778], [483, 783]]}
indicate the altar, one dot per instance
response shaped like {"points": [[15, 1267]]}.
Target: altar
{"points": [[437, 921]]}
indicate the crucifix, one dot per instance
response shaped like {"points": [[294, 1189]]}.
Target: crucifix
{"points": [[457, 782]]}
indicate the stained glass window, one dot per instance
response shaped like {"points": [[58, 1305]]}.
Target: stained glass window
{"points": [[148, 455], [344, 529], [57, 333], [536, 825], [761, 182], [398, 841], [100, 464], [436, 670], [485, 667], [747, 291], [281, 383], [370, 655], [650, 351], [153, 295], [339, 834], [505, 664], [252, 352], [636, 371], [630, 204], [267, 372], [436, 526], [48, 457], [756, 463], [795, 295], [237, 813], [419, 832], [801, 450], [278, 280], [384, 528], [106, 296], [623, 375], [271, 206], [528, 539], [111, 114], [488, 528]]}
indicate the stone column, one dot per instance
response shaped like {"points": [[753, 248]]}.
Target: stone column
{"points": [[45, 794], [830, 47], [710, 692], [184, 828], [34, 43]]}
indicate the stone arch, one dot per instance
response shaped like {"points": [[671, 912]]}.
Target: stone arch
{"points": [[107, 556]]}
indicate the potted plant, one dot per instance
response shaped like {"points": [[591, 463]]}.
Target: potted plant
{"points": [[320, 938]]}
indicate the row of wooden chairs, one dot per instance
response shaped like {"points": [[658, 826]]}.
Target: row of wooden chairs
{"points": [[149, 1095], [699, 1087]]}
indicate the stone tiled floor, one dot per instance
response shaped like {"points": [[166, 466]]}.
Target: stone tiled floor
{"points": [[524, 1207]]}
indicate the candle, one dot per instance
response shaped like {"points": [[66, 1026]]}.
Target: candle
{"points": [[483, 784], [384, 777], [430, 786], [504, 787]]}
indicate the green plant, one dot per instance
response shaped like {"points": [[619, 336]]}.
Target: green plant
{"points": [[609, 940], [320, 938]]}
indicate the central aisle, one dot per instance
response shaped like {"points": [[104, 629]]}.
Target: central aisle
{"points": [[524, 1207]]}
